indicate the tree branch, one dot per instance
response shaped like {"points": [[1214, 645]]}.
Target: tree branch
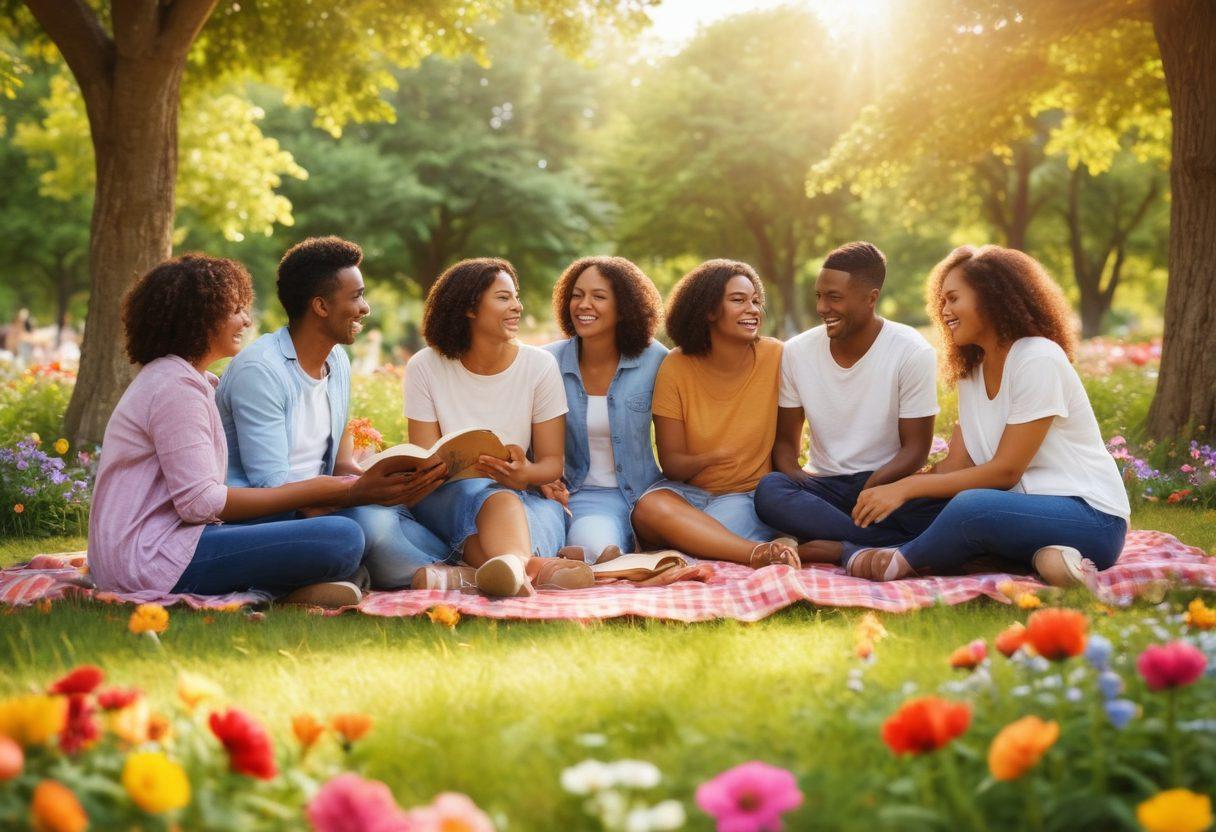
{"points": [[182, 20], [80, 38]]}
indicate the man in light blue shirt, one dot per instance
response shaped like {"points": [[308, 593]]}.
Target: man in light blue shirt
{"points": [[285, 400]]}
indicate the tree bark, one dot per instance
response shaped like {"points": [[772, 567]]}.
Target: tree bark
{"points": [[1185, 401]]}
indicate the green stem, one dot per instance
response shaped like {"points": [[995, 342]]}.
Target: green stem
{"points": [[1097, 750], [965, 807], [1033, 818], [1171, 737]]}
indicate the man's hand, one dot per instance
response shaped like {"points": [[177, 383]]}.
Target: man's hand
{"points": [[876, 504], [509, 472]]}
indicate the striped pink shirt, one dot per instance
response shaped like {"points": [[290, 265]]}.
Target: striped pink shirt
{"points": [[161, 479]]}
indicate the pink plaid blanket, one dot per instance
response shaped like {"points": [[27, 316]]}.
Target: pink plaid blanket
{"points": [[1150, 562]]}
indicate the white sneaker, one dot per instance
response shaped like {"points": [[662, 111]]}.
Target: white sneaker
{"points": [[1061, 566]]}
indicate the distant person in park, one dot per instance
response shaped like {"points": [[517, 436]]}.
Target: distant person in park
{"points": [[610, 310], [285, 403], [160, 499], [715, 417], [1027, 476], [475, 374], [868, 389]]}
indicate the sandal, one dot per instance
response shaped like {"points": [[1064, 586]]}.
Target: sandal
{"points": [[877, 565], [782, 551], [1062, 566]]}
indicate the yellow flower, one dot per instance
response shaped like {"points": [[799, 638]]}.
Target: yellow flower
{"points": [[1199, 616], [869, 628], [130, 724], [56, 809], [155, 783], [1029, 601], [1176, 810], [444, 614], [61, 446], [193, 689], [33, 719], [37, 440], [149, 618]]}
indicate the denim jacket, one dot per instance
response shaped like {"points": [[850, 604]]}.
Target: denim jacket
{"points": [[257, 396], [629, 398]]}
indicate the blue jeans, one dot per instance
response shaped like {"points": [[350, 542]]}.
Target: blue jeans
{"points": [[451, 510], [1014, 526], [600, 519], [274, 557], [737, 511], [822, 508], [397, 545]]}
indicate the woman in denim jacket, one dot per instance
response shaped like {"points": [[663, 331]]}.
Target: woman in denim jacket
{"points": [[611, 311]]}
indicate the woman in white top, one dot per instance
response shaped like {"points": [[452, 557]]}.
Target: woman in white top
{"points": [[474, 374], [1028, 474]]}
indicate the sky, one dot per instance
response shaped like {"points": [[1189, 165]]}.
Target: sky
{"points": [[675, 21]]}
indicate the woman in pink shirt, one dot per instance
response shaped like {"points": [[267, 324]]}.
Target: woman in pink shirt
{"points": [[162, 519]]}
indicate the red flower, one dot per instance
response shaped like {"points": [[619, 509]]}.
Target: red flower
{"points": [[247, 743], [1057, 634], [83, 679], [115, 699], [81, 729], [1178, 496], [1011, 639], [925, 724], [1172, 665], [969, 656]]}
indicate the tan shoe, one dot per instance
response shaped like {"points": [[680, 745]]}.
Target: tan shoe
{"points": [[559, 573], [331, 595], [444, 578], [1061, 566], [783, 550], [504, 577]]}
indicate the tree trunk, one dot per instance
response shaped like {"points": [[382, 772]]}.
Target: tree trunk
{"points": [[1020, 213], [1185, 400], [135, 142]]}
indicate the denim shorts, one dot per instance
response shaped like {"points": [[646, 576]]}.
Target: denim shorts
{"points": [[737, 511], [451, 513], [599, 519]]}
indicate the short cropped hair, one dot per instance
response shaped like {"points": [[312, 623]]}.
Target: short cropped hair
{"points": [[861, 260], [698, 294], [445, 324], [176, 307], [638, 303], [310, 269]]}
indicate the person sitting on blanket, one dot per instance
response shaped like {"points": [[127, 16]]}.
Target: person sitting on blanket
{"points": [[285, 400], [715, 416], [162, 520], [868, 389], [610, 310], [1028, 476], [474, 374]]}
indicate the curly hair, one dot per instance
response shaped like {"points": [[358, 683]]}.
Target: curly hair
{"points": [[1016, 297], [445, 323], [176, 307], [310, 269], [861, 260], [638, 303], [696, 296]]}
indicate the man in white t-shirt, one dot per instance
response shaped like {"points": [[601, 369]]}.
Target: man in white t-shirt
{"points": [[285, 401], [867, 388]]}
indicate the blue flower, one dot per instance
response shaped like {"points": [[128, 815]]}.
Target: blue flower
{"points": [[1098, 650], [22, 465], [1110, 684], [1121, 711]]}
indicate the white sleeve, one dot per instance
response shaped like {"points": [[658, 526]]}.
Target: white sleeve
{"points": [[1036, 390], [419, 399], [918, 385], [789, 390], [549, 394]]}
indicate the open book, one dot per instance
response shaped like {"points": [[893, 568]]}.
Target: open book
{"points": [[639, 567], [459, 450]]}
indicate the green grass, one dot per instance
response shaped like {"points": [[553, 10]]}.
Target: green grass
{"points": [[497, 709]]}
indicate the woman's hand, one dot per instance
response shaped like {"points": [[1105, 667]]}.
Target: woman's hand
{"points": [[876, 504], [420, 483], [557, 491], [513, 472]]}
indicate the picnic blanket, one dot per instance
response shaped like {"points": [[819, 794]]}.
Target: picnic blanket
{"points": [[1151, 561]]}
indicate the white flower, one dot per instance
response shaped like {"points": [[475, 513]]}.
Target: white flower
{"points": [[638, 820], [587, 777], [635, 774], [610, 807], [667, 815], [591, 740]]}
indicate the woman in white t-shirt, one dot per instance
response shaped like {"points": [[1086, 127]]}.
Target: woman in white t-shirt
{"points": [[474, 374], [1028, 474]]}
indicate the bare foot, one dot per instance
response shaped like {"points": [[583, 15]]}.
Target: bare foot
{"points": [[821, 551]]}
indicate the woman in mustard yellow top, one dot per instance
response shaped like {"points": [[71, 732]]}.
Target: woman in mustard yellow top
{"points": [[715, 419]]}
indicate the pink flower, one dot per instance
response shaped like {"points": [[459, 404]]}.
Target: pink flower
{"points": [[750, 797], [1172, 665], [450, 812], [348, 803], [1115, 441]]}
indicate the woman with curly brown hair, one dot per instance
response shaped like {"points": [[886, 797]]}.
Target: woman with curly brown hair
{"points": [[610, 309], [162, 519], [475, 374], [715, 419], [1028, 476]]}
